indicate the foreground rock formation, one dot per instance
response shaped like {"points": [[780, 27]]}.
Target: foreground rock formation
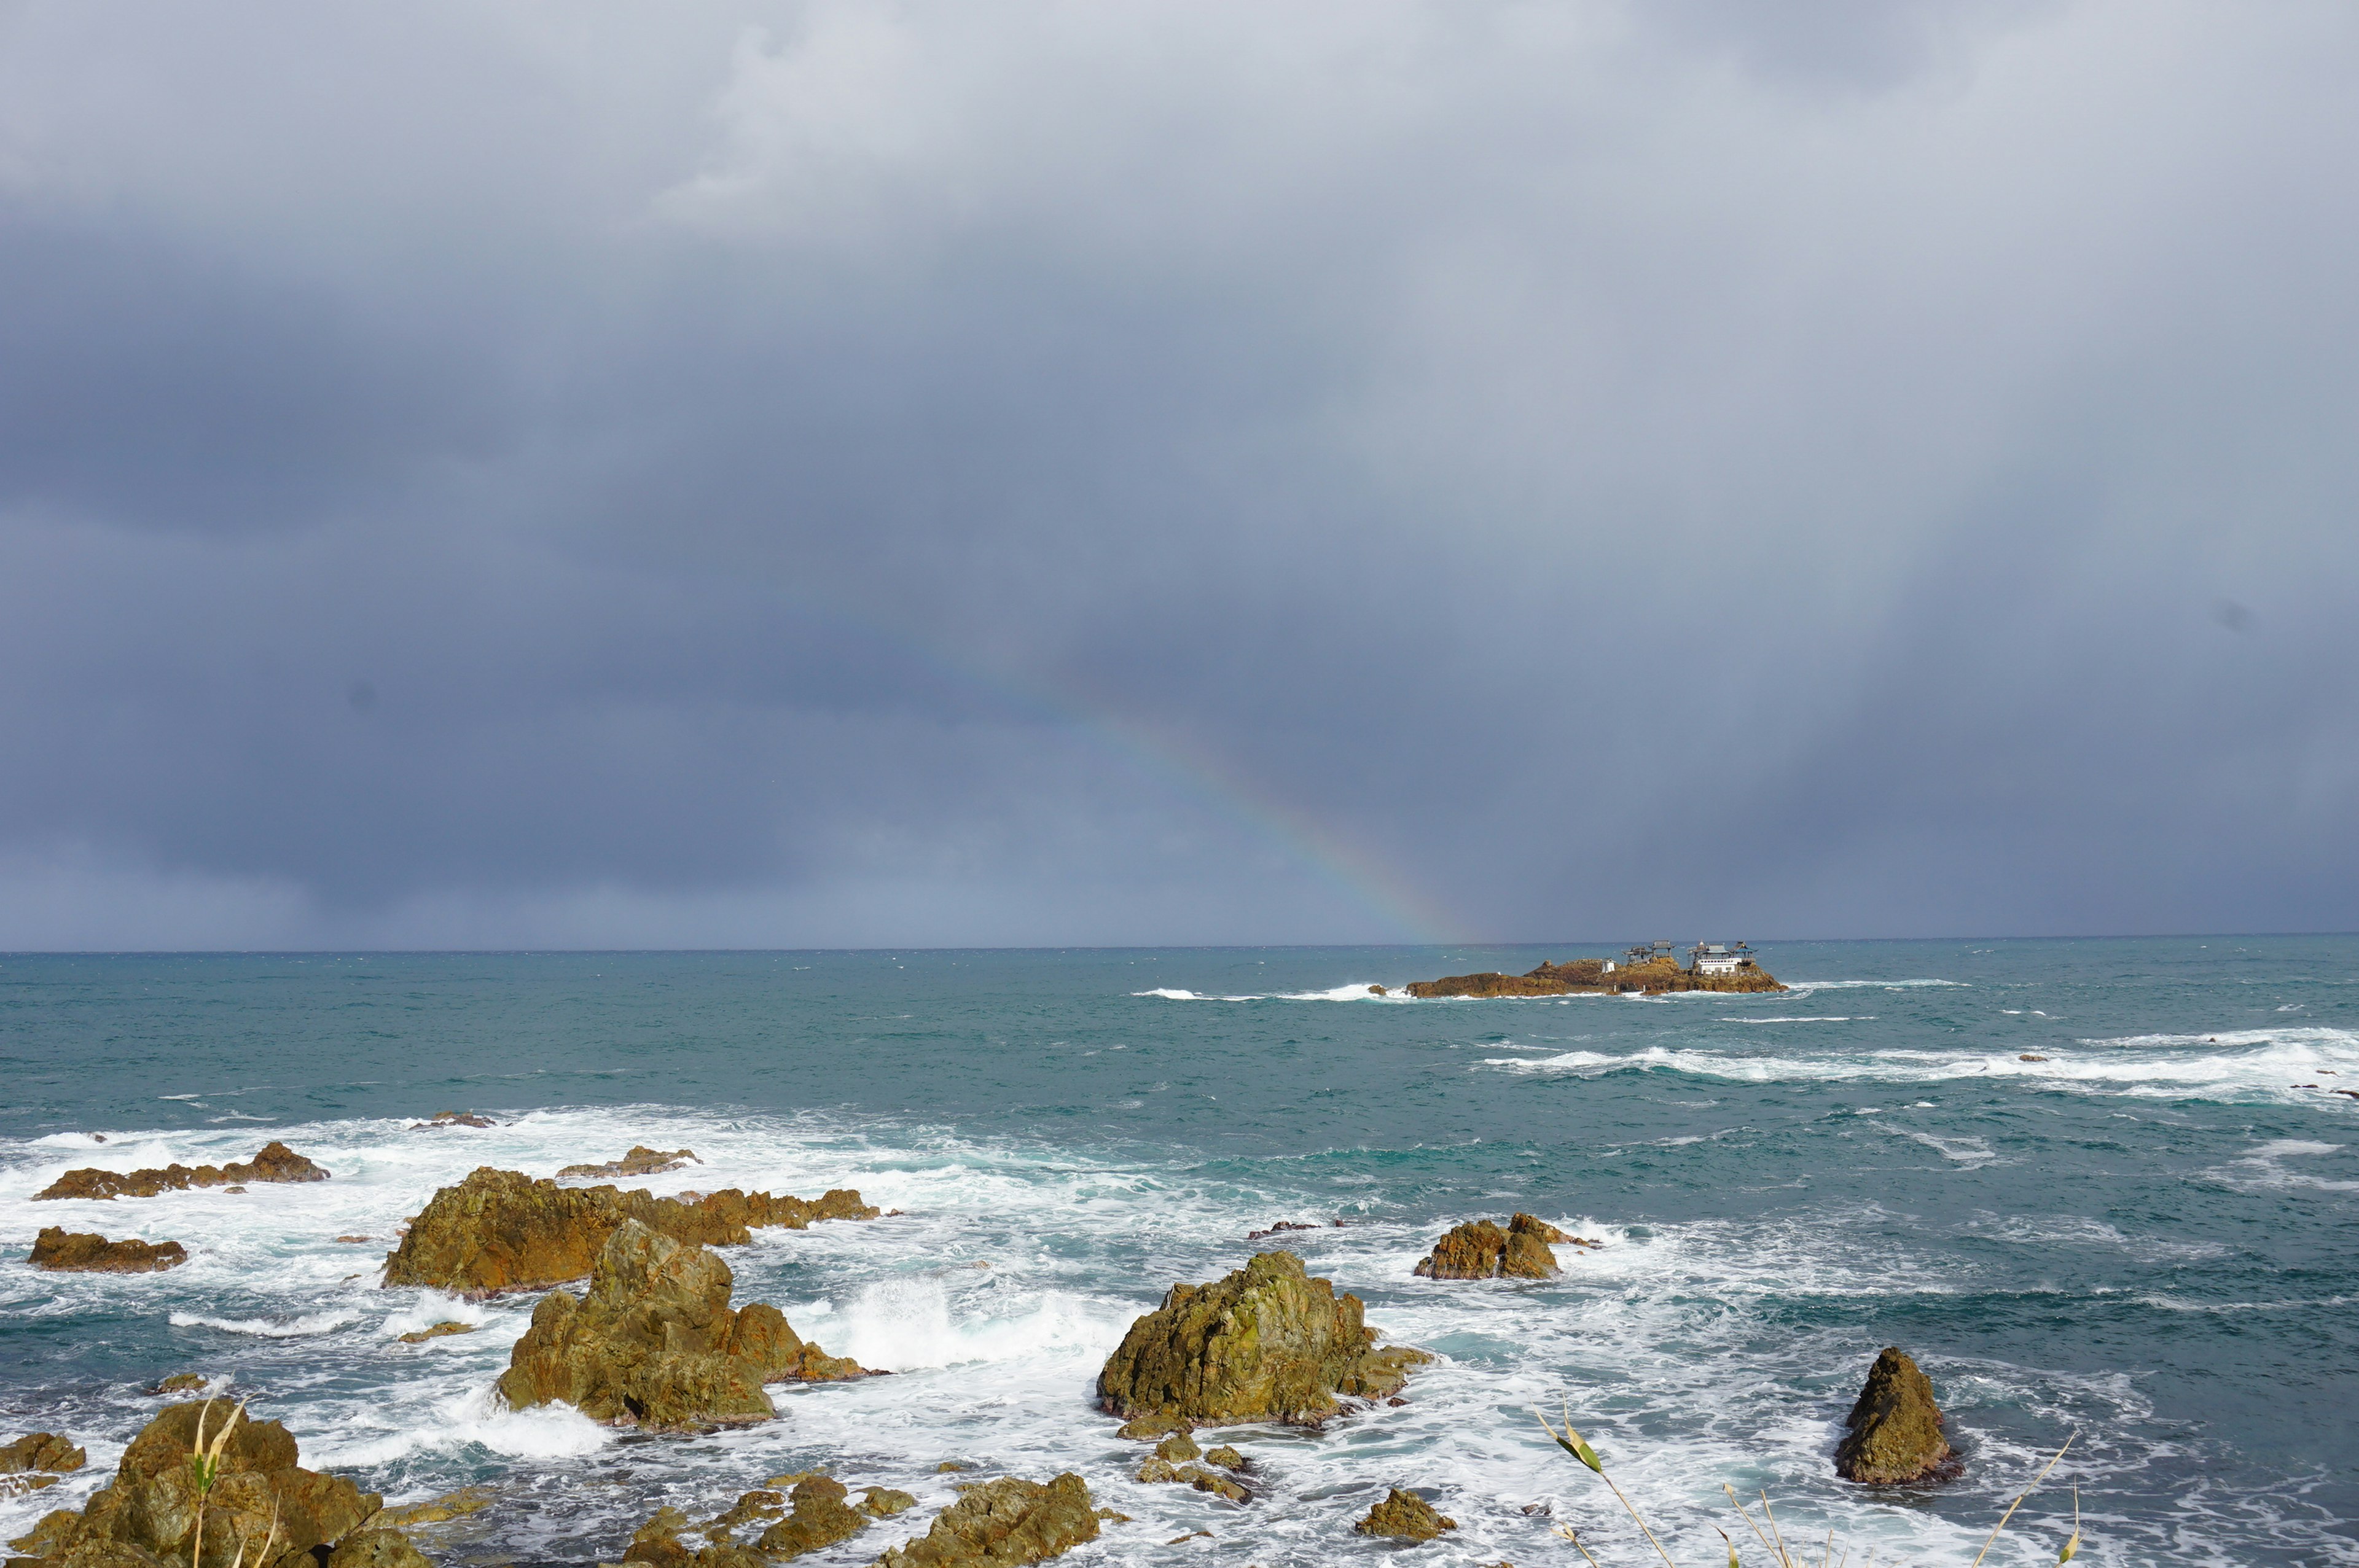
{"points": [[275, 1162], [1481, 1250], [1003, 1522], [1590, 975], [87, 1253], [1266, 1343], [500, 1231], [655, 1343], [1406, 1516], [641, 1160], [1894, 1432], [147, 1517]]}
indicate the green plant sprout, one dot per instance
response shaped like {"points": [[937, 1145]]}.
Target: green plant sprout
{"points": [[204, 1468]]}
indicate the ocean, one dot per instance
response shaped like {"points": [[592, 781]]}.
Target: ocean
{"points": [[2144, 1236]]}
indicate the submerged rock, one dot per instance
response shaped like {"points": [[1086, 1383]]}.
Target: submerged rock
{"points": [[760, 1211], [1158, 1468], [1481, 1250], [820, 1517], [149, 1513], [641, 1160], [1003, 1522], [40, 1450], [453, 1118], [655, 1343], [438, 1331], [436, 1510], [87, 1253], [275, 1162], [1405, 1515], [500, 1231], [1894, 1432], [181, 1383], [884, 1502], [1264, 1343]]}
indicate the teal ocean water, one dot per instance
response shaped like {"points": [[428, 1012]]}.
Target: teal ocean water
{"points": [[2145, 1234]]}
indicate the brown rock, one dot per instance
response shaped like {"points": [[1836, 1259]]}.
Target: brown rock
{"points": [[641, 1160], [820, 1517], [436, 1510], [453, 1118], [1266, 1343], [1158, 1468], [1406, 1516], [1148, 1426], [1227, 1458], [87, 1253], [40, 1450], [181, 1383], [884, 1502], [438, 1331], [276, 1162], [1590, 975], [150, 1511], [500, 1231], [1178, 1447], [376, 1549], [1479, 1249], [1894, 1432], [1003, 1522], [655, 1343]]}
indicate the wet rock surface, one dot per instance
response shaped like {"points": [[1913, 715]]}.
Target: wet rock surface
{"points": [[43, 1452], [655, 1343], [274, 1162], [500, 1231], [1404, 1516], [453, 1118], [1264, 1343], [376, 1549], [641, 1160], [440, 1331], [87, 1253], [1480, 1250], [1003, 1522], [1894, 1435], [149, 1513]]}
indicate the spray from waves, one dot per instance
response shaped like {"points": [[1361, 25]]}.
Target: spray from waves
{"points": [[1871, 985], [309, 1325], [1851, 1018], [1358, 992]]}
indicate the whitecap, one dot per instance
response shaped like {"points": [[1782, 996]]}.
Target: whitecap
{"points": [[299, 1327]]}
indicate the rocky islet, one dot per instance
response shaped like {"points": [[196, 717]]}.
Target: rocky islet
{"points": [[1895, 1432], [1480, 1250], [274, 1162], [86, 1252]]}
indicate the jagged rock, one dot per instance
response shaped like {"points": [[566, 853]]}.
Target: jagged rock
{"points": [[1153, 1426], [453, 1118], [1266, 1343], [1894, 1432], [884, 1502], [87, 1253], [439, 1330], [1158, 1468], [376, 1549], [641, 1160], [149, 1513], [760, 1211], [436, 1510], [500, 1231], [40, 1450], [654, 1342], [1178, 1448], [1226, 1458], [1481, 1250], [1406, 1516], [1003, 1522], [820, 1517], [276, 1162], [181, 1383]]}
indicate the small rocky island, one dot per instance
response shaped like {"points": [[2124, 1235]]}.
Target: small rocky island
{"points": [[1649, 970]]}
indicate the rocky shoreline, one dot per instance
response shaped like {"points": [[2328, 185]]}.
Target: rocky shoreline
{"points": [[1597, 976]]}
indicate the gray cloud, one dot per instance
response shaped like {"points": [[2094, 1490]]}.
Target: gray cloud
{"points": [[833, 474]]}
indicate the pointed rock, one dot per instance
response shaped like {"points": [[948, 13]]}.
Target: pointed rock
{"points": [[1406, 1516], [1893, 1432]]}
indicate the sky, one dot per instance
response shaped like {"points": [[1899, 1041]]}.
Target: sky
{"points": [[855, 473]]}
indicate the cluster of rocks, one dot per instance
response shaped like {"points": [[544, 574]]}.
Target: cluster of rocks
{"points": [[1481, 1250], [451, 1119], [275, 1162], [655, 1343], [641, 1160], [787, 1517], [263, 1508], [87, 1253], [501, 1231], [1003, 1522], [36, 1460], [1264, 1343]]}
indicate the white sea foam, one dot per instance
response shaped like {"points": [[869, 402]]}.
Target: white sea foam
{"points": [[1733, 1017], [303, 1326]]}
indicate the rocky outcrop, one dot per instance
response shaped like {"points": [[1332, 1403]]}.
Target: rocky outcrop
{"points": [[500, 1231], [1893, 1432], [40, 1452], [441, 1330], [641, 1160], [811, 1516], [149, 1516], [276, 1162], [1406, 1516], [655, 1343], [181, 1383], [453, 1118], [1003, 1522], [1590, 975], [436, 1510], [1481, 1250], [1266, 1343], [87, 1253], [376, 1549]]}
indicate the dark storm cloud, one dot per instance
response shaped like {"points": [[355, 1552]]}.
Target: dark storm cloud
{"points": [[841, 474]]}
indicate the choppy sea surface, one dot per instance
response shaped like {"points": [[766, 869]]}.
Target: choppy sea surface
{"points": [[2102, 1187]]}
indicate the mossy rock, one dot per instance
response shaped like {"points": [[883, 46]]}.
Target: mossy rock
{"points": [[1894, 1435], [1003, 1522], [1404, 1516]]}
